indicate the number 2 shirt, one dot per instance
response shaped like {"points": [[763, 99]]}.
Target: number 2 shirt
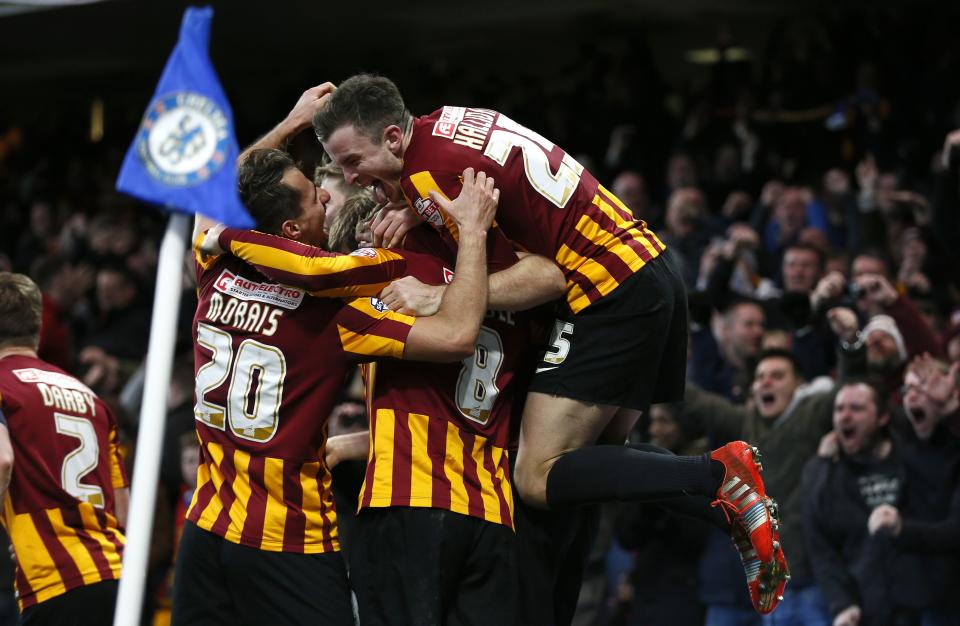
{"points": [[549, 204], [59, 512]]}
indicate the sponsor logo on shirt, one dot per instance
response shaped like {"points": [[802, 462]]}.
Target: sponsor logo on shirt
{"points": [[269, 293], [446, 126], [33, 375], [378, 305], [447, 276]]}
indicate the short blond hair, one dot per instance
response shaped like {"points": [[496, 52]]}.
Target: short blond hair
{"points": [[21, 307], [357, 210]]}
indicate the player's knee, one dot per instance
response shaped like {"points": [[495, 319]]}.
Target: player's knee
{"points": [[531, 485]]}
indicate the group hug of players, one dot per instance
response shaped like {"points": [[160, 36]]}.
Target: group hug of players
{"points": [[481, 220]]}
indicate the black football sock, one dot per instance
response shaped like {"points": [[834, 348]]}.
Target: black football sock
{"points": [[689, 505], [609, 473]]}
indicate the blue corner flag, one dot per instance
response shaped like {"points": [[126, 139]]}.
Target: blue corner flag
{"points": [[185, 151]]}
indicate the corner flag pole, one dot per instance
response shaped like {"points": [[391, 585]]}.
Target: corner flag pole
{"points": [[153, 417]]}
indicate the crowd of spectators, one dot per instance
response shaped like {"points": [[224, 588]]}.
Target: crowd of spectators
{"points": [[812, 196]]}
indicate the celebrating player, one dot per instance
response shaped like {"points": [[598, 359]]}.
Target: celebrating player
{"points": [[66, 501], [270, 363], [621, 344]]}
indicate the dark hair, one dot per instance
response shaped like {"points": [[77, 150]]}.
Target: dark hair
{"points": [[821, 256], [781, 353], [20, 309], [880, 395], [270, 201], [367, 102]]}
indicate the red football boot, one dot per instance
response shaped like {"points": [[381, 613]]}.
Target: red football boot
{"points": [[744, 500], [765, 580]]}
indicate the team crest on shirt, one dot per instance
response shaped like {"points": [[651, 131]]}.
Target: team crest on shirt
{"points": [[378, 305], [269, 293], [447, 275], [429, 211], [367, 252]]}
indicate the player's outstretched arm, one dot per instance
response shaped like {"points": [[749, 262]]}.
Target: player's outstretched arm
{"points": [[6, 460], [299, 118], [326, 274], [531, 281], [451, 334]]}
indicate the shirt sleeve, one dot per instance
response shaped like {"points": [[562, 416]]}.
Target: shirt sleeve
{"points": [[321, 273], [368, 330]]}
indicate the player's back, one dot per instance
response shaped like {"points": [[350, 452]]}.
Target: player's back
{"points": [[60, 513], [270, 364], [439, 431], [548, 204]]}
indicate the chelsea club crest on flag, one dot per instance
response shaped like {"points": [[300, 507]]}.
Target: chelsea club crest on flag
{"points": [[184, 139], [184, 155]]}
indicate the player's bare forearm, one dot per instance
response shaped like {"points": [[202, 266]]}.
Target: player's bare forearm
{"points": [[529, 282], [6, 461], [299, 119], [451, 334], [121, 504], [348, 447]]}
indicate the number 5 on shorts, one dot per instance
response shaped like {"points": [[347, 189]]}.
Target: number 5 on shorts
{"points": [[559, 344]]}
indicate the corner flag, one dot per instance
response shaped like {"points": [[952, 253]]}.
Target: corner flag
{"points": [[183, 156]]}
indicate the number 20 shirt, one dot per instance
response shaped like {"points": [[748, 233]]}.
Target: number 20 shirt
{"points": [[270, 363]]}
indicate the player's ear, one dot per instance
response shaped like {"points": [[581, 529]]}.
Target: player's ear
{"points": [[291, 229], [392, 136]]}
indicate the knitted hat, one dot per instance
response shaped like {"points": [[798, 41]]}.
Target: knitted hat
{"points": [[885, 324]]}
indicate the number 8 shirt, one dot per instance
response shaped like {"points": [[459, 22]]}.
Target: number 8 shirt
{"points": [[59, 512]]}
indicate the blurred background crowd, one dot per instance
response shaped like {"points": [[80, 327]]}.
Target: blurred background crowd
{"points": [[810, 186]]}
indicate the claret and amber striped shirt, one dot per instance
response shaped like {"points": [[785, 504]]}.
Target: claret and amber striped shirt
{"points": [[59, 512], [549, 204], [270, 363], [439, 431]]}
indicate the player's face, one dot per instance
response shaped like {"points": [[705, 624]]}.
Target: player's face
{"points": [[366, 163], [855, 418], [774, 384], [310, 223], [335, 188]]}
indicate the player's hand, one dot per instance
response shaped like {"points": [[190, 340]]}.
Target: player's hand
{"points": [[474, 208], [311, 101], [411, 297], [210, 246], [844, 323], [391, 224], [885, 519], [850, 616]]}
